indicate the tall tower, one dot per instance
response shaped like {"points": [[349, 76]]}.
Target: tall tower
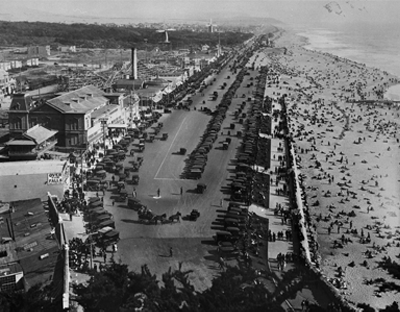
{"points": [[134, 63]]}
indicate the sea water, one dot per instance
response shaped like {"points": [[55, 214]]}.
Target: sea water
{"points": [[376, 46]]}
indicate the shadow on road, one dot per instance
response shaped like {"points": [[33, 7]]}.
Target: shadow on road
{"points": [[131, 221]]}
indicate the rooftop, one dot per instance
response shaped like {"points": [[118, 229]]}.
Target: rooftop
{"points": [[133, 84], [39, 134], [32, 231], [103, 110], [79, 101], [149, 91]]}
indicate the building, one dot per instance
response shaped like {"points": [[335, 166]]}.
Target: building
{"points": [[27, 255], [11, 276], [205, 47], [5, 65], [16, 64], [20, 180], [127, 85], [65, 49], [32, 62], [5, 82], [40, 51], [34, 143], [75, 115]]}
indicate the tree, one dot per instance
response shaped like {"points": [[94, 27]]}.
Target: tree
{"points": [[117, 289], [37, 298]]}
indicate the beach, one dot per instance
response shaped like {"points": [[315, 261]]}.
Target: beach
{"points": [[346, 141], [366, 43]]}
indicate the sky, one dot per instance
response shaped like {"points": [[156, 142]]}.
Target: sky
{"points": [[288, 11]]}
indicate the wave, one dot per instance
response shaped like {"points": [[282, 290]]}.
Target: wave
{"points": [[378, 51]]}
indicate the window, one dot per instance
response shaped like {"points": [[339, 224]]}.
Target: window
{"points": [[33, 122], [18, 123], [74, 124]]}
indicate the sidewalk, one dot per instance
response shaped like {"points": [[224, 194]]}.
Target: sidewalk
{"points": [[300, 288]]}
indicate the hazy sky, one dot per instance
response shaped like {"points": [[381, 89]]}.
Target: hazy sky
{"points": [[292, 11]]}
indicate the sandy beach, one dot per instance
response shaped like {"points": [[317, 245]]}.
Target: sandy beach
{"points": [[347, 144]]}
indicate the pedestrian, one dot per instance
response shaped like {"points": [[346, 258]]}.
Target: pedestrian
{"points": [[158, 193], [113, 202], [171, 252], [181, 190], [70, 216], [221, 202]]}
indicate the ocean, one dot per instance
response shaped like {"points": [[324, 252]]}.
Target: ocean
{"points": [[375, 46]]}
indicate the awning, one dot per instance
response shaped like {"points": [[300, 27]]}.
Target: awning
{"points": [[120, 126], [39, 134]]}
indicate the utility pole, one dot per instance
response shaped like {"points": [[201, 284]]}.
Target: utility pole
{"points": [[104, 126], [11, 211], [90, 241]]}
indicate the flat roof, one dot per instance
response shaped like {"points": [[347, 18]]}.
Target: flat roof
{"points": [[12, 168]]}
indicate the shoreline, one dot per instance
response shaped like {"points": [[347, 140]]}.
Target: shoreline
{"points": [[347, 120], [318, 40], [391, 91]]}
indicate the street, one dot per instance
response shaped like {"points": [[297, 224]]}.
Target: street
{"points": [[162, 167]]}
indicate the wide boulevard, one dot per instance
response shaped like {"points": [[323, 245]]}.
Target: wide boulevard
{"points": [[192, 241]]}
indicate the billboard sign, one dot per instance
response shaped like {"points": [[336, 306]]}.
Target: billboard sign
{"points": [[54, 178]]}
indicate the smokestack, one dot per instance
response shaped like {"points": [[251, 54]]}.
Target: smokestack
{"points": [[134, 63]]}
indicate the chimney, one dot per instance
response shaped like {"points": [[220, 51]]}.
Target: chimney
{"points": [[134, 63]]}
